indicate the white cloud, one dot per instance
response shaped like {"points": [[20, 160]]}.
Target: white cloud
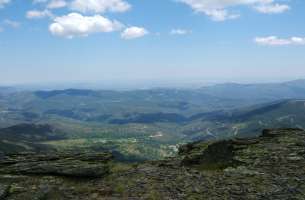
{"points": [[3, 2], [57, 4], [219, 10], [100, 6], [275, 41], [133, 33], [11, 23], [37, 14], [180, 32], [272, 8], [1, 29], [75, 24], [220, 14]]}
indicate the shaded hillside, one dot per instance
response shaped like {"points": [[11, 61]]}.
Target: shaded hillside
{"points": [[246, 122], [279, 110], [268, 167], [288, 113], [30, 132], [27, 137]]}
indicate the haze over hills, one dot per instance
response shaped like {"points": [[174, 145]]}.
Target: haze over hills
{"points": [[154, 121], [268, 91]]}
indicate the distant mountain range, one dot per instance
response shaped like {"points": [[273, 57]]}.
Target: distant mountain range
{"points": [[155, 120], [268, 91]]}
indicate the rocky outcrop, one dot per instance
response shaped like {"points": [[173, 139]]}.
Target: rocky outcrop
{"points": [[56, 164], [269, 167]]}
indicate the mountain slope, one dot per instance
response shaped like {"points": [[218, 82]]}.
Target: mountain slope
{"points": [[27, 137], [288, 113], [267, 167], [247, 122]]}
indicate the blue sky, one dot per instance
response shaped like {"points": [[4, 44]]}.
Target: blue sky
{"points": [[132, 40]]}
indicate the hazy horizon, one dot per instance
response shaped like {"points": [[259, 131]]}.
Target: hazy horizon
{"points": [[137, 84]]}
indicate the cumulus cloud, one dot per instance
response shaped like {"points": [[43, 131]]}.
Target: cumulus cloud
{"points": [[180, 32], [276, 41], [3, 2], [75, 24], [37, 14], [134, 32], [57, 4], [219, 10], [100, 6]]}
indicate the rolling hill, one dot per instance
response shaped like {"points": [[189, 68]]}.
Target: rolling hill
{"points": [[149, 124]]}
